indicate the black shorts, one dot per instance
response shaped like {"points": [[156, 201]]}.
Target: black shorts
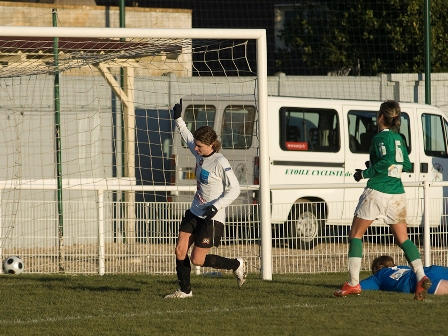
{"points": [[208, 232]]}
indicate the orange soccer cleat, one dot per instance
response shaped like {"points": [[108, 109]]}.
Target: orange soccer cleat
{"points": [[422, 288], [347, 289]]}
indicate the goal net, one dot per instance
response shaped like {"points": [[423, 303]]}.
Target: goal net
{"points": [[93, 176]]}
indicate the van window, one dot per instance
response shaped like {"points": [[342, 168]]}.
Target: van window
{"points": [[405, 130], [238, 126], [308, 129], [362, 128], [197, 116], [434, 139]]}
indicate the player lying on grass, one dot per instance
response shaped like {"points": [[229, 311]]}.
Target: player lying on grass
{"points": [[392, 278]]}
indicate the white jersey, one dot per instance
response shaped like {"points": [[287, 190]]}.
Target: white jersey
{"points": [[216, 183]]}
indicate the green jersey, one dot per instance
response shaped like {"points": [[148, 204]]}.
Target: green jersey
{"points": [[388, 158]]}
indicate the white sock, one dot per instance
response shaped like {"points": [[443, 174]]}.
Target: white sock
{"points": [[417, 267], [354, 267]]}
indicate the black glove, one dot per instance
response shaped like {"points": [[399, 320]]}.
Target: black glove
{"points": [[358, 175], [367, 163], [177, 110], [210, 212]]}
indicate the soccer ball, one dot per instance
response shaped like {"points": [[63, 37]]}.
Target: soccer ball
{"points": [[13, 265]]}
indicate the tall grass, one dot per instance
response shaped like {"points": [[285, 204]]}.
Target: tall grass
{"points": [[134, 305]]}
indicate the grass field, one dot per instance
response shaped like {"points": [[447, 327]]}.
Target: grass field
{"points": [[134, 305]]}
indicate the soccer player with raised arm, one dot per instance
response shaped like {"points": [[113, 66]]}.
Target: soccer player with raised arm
{"points": [[203, 223], [384, 198]]}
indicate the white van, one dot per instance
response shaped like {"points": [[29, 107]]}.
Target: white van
{"points": [[315, 141]]}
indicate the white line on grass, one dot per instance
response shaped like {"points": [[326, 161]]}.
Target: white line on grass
{"points": [[149, 313], [152, 312]]}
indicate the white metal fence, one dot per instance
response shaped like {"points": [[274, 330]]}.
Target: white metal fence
{"points": [[97, 237]]}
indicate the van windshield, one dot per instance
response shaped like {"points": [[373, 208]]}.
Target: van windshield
{"points": [[238, 126]]}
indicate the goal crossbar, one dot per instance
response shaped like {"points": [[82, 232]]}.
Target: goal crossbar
{"points": [[193, 33]]}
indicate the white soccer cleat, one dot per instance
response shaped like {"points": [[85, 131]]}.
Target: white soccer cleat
{"points": [[179, 295], [241, 272]]}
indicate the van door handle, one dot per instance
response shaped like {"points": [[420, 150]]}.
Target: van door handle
{"points": [[423, 167]]}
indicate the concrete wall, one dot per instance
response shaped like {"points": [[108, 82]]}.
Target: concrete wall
{"points": [[400, 87], [29, 14]]}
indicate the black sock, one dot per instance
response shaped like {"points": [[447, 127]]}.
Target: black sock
{"points": [[183, 270], [216, 261]]}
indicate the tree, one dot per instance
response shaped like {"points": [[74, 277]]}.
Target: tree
{"points": [[368, 36]]}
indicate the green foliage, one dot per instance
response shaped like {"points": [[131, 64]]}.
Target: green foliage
{"points": [[365, 35], [134, 305]]}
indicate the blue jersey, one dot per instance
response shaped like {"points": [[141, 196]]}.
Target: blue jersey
{"points": [[403, 279]]}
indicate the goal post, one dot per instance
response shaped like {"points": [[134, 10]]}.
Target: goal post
{"points": [[166, 43]]}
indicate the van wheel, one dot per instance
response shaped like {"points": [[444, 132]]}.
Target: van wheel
{"points": [[304, 225]]}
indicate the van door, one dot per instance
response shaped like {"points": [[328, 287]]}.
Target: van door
{"points": [[305, 148], [434, 161], [361, 128], [408, 131]]}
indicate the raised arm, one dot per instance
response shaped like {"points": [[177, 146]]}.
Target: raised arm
{"points": [[182, 127]]}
